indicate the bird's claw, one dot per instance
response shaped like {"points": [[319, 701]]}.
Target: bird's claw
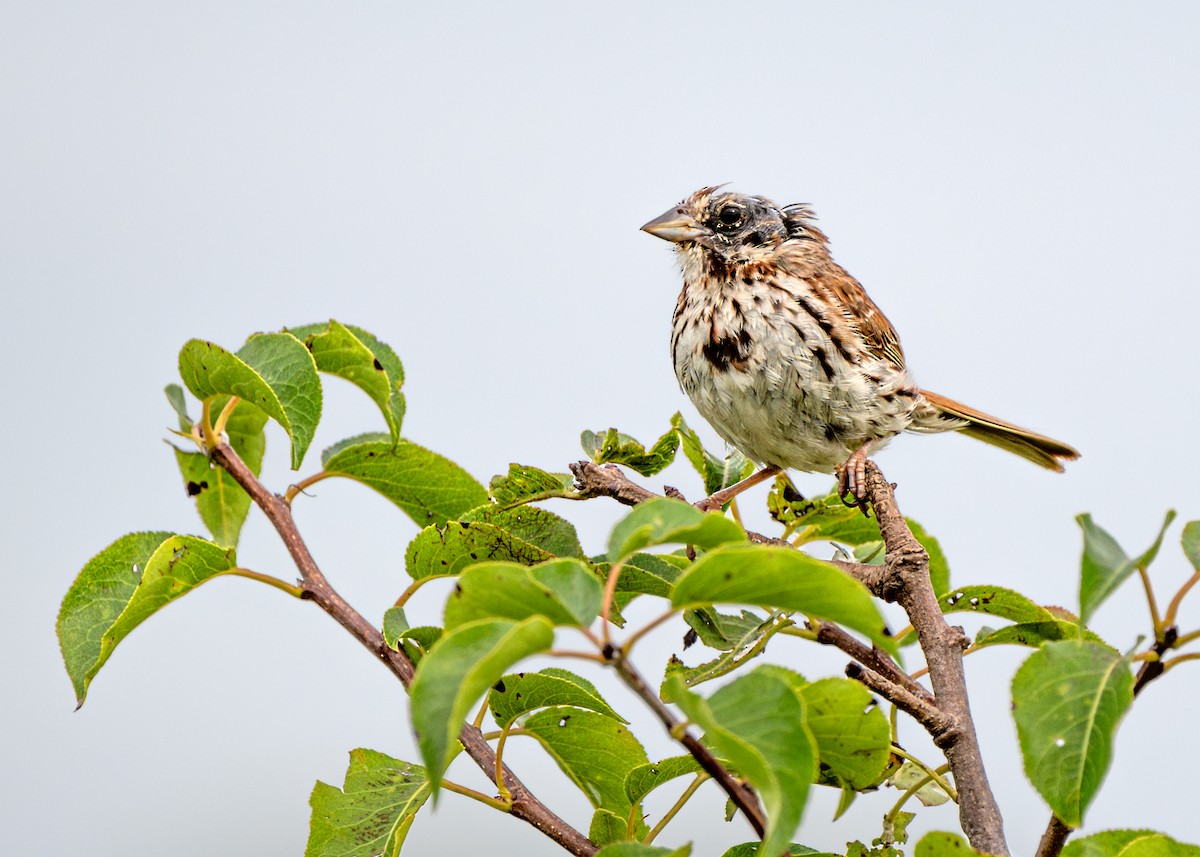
{"points": [[852, 481]]}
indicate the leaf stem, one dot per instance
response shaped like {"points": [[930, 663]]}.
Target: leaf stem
{"points": [[223, 417], [645, 629], [570, 653], [610, 589], [1175, 661], [1151, 602], [1173, 607], [889, 818], [499, 774], [211, 440], [499, 803], [698, 781], [933, 774], [290, 588], [1183, 639], [479, 715], [411, 590], [305, 483]]}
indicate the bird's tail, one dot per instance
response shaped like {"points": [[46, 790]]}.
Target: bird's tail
{"points": [[938, 413]]}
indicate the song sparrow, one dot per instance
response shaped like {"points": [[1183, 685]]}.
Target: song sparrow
{"points": [[781, 350]]}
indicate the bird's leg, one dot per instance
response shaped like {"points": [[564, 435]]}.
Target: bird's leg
{"points": [[715, 501], [852, 478]]}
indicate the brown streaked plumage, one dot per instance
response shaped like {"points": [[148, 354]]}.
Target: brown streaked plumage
{"points": [[781, 349]]}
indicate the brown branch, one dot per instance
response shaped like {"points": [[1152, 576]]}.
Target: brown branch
{"points": [[608, 480], [872, 658], [921, 710], [316, 588], [1054, 839], [905, 580], [741, 794]]}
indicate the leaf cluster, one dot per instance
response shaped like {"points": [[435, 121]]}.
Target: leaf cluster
{"points": [[524, 582]]}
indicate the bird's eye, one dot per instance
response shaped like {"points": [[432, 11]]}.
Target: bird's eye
{"points": [[730, 216]]}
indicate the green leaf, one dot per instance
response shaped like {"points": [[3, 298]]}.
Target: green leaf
{"points": [[124, 585], [851, 733], [758, 723], [784, 579], [272, 371], [663, 520], [428, 487], [717, 473], [445, 551], [1034, 634], [595, 751], [637, 849], [457, 672], [749, 849], [1191, 543], [612, 446], [646, 778], [724, 632], [1068, 698], [372, 366], [178, 404], [545, 530], [395, 623], [565, 591], [938, 844], [994, 601], [520, 693], [525, 484], [416, 642], [909, 775], [644, 574], [827, 518], [1105, 565], [1129, 843], [608, 827], [371, 813], [220, 501]]}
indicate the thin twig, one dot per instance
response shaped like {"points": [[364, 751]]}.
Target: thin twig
{"points": [[525, 805], [628, 645], [741, 794]]}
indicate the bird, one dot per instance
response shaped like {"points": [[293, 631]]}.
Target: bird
{"points": [[783, 352]]}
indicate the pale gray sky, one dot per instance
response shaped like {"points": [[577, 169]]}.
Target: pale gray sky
{"points": [[1015, 184]]}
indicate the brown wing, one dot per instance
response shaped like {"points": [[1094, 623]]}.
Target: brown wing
{"points": [[860, 312]]}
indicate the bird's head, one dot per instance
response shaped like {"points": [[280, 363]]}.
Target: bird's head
{"points": [[733, 227]]}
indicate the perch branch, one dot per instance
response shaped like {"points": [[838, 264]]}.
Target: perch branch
{"points": [[316, 588], [905, 580]]}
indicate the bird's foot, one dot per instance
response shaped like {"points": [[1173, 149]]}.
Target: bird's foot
{"points": [[852, 481]]}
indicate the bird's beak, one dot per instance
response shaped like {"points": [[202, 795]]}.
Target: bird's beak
{"points": [[674, 225]]}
